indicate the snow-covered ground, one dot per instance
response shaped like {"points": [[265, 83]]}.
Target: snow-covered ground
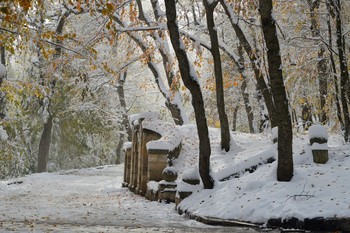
{"points": [[92, 200], [87, 200], [316, 190]]}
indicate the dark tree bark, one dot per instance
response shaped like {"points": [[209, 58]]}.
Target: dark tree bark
{"points": [[3, 55], [282, 116], [334, 69], [245, 95], [234, 118], [192, 84], [44, 146], [45, 140], [121, 95], [215, 51], [344, 73], [125, 122], [255, 63], [321, 60], [2, 95]]}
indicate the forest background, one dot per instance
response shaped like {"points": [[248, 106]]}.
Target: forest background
{"points": [[73, 71]]}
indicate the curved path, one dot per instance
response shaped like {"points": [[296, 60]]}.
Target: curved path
{"points": [[87, 200]]}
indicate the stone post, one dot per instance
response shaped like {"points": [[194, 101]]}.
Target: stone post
{"points": [[318, 140]]}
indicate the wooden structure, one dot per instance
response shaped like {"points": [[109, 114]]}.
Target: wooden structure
{"points": [[154, 144]]}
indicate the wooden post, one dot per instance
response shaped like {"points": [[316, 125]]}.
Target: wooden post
{"points": [[127, 160], [146, 136]]}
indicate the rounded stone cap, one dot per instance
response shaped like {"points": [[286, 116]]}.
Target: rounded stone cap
{"points": [[169, 174]]}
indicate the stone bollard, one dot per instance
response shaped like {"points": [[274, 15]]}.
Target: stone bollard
{"points": [[167, 186], [318, 140]]}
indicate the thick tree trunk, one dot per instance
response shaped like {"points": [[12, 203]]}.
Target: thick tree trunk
{"points": [[190, 81], [334, 69], [282, 116], [344, 73], [44, 146], [321, 60], [220, 99], [255, 63]]}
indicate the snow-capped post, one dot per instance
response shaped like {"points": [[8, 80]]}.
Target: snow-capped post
{"points": [[167, 186], [318, 140]]}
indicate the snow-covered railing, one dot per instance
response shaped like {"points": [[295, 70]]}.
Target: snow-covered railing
{"points": [[154, 145], [170, 141]]}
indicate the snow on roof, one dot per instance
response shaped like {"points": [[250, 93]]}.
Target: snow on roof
{"points": [[318, 131], [2, 70], [170, 136]]}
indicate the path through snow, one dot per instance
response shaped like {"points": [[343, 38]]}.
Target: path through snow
{"points": [[87, 200]]}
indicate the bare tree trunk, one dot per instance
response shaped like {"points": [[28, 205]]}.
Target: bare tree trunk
{"points": [[45, 140], [220, 99], [334, 69], [44, 146], [125, 122], [234, 118], [245, 95], [121, 96], [2, 95], [285, 135], [321, 60], [191, 82], [344, 73], [3, 55]]}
